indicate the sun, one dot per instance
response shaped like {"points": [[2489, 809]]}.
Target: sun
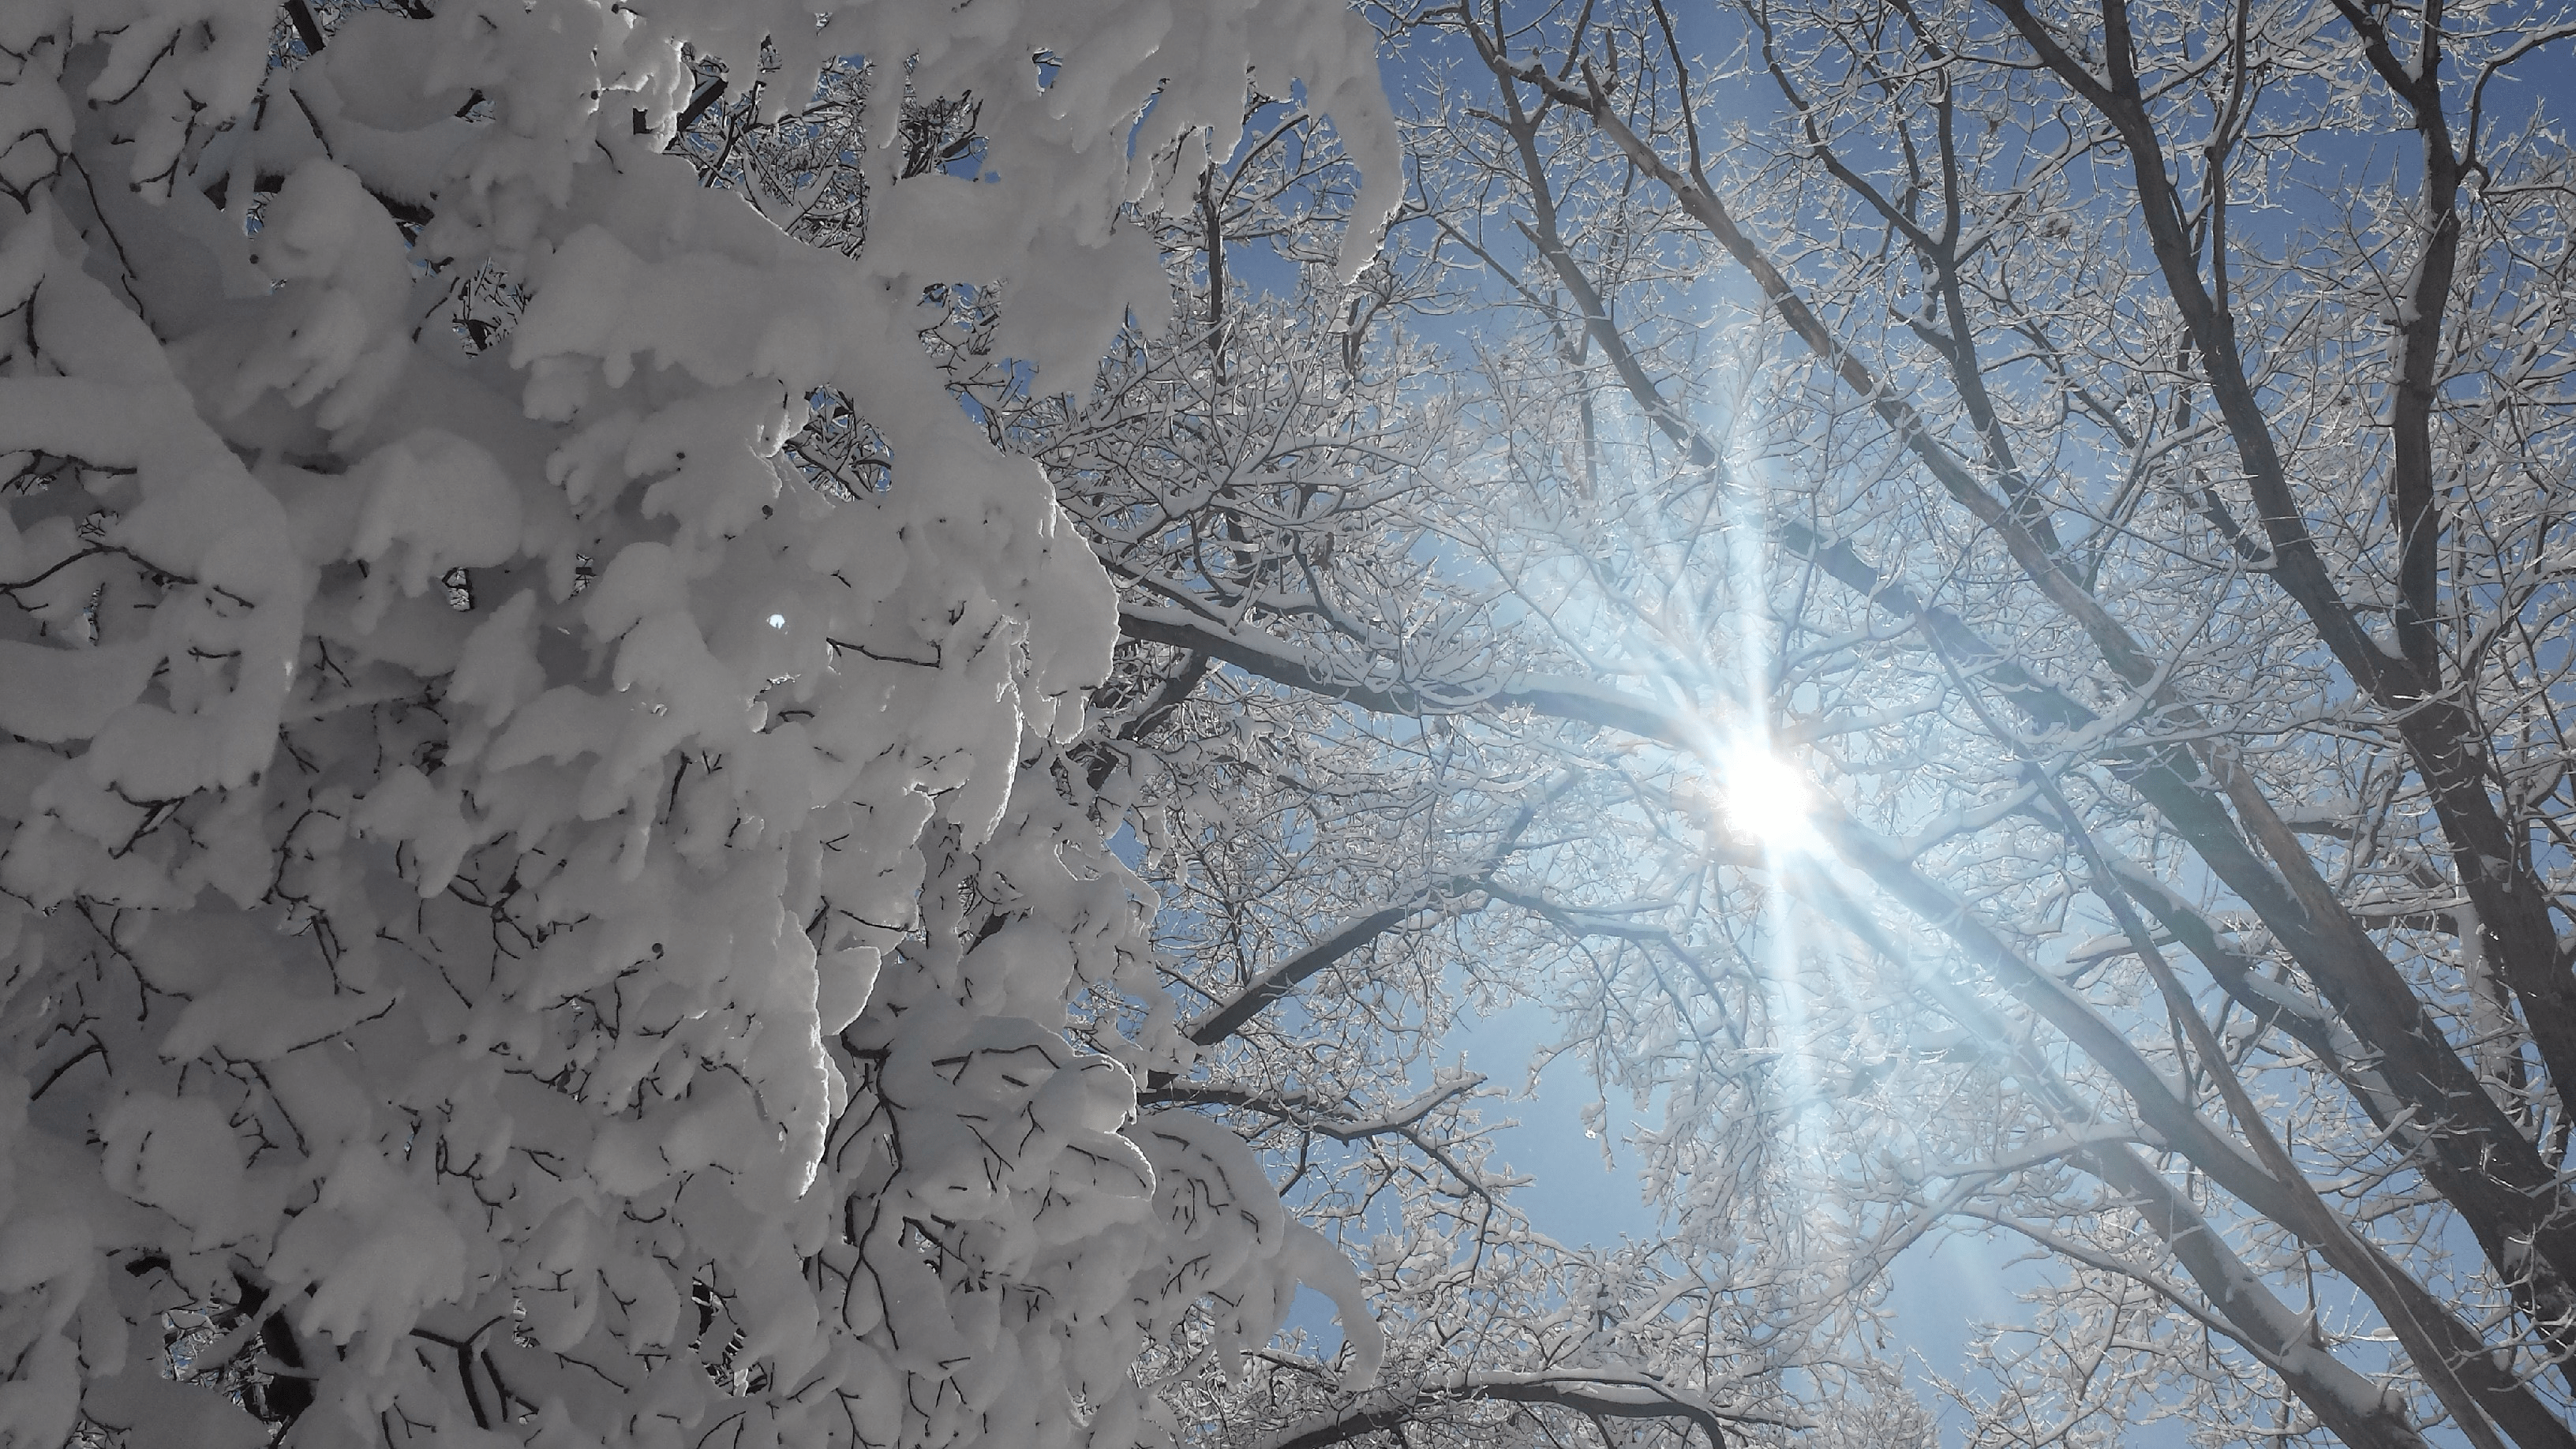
{"points": [[1764, 798]]}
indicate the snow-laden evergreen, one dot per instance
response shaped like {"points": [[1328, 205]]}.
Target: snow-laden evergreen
{"points": [[454, 792]]}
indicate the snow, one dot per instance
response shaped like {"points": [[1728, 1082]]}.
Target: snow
{"points": [[376, 1249], [512, 959], [68, 694], [435, 502]]}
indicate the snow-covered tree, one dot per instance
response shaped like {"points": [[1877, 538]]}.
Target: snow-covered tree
{"points": [[544, 880], [2035, 547], [1351, 875]]}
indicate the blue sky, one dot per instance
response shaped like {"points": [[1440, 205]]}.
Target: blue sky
{"points": [[1941, 1289]]}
